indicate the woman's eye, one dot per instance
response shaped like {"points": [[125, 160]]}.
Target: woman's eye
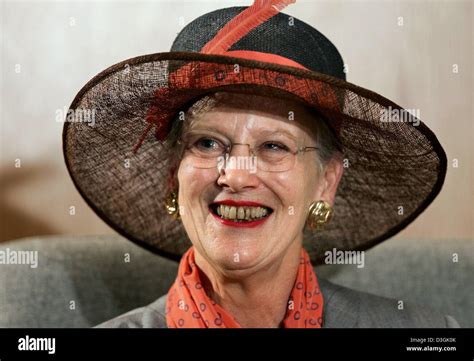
{"points": [[274, 146], [207, 144]]}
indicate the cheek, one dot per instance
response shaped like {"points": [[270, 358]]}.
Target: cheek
{"points": [[193, 183], [289, 187], [295, 190], [190, 177]]}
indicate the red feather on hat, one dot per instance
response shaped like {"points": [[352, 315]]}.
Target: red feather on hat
{"points": [[242, 24]]}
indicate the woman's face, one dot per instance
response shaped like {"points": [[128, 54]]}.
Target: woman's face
{"points": [[207, 194]]}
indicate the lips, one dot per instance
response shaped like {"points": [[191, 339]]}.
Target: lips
{"points": [[240, 213]]}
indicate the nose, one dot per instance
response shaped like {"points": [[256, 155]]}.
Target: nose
{"points": [[240, 170]]}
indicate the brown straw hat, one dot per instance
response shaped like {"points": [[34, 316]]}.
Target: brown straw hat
{"points": [[121, 167]]}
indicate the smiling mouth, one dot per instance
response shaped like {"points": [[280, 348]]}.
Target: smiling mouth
{"points": [[240, 214]]}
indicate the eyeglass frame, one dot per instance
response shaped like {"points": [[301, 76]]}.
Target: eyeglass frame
{"points": [[228, 150]]}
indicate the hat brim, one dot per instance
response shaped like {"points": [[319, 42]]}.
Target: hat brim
{"points": [[394, 169]]}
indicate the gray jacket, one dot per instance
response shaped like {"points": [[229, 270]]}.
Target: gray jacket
{"points": [[343, 308]]}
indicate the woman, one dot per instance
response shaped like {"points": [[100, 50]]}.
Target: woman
{"points": [[247, 226], [257, 138]]}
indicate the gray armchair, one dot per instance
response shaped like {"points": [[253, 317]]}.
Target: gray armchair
{"points": [[83, 281]]}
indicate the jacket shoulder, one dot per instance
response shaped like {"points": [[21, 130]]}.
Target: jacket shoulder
{"points": [[150, 316], [345, 307]]}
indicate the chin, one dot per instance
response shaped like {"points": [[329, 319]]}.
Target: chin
{"points": [[236, 255]]}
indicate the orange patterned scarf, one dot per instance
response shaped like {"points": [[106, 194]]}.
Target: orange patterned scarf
{"points": [[188, 305]]}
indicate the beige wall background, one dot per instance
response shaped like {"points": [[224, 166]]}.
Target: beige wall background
{"points": [[417, 53]]}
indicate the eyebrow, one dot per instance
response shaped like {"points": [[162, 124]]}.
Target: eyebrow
{"points": [[280, 131], [266, 132]]}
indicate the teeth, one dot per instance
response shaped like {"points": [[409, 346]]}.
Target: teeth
{"points": [[247, 213], [241, 214]]}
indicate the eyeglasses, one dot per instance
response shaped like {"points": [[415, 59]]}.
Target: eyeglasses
{"points": [[206, 152]]}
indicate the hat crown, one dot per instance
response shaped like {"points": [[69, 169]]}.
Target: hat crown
{"points": [[281, 35]]}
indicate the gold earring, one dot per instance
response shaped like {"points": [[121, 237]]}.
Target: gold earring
{"points": [[320, 213], [171, 205]]}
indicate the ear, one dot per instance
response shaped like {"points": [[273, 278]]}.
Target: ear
{"points": [[329, 180], [173, 178]]}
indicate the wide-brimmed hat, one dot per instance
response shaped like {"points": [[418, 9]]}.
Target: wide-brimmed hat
{"points": [[115, 135]]}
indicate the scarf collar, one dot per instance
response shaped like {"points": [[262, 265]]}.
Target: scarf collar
{"points": [[188, 305]]}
